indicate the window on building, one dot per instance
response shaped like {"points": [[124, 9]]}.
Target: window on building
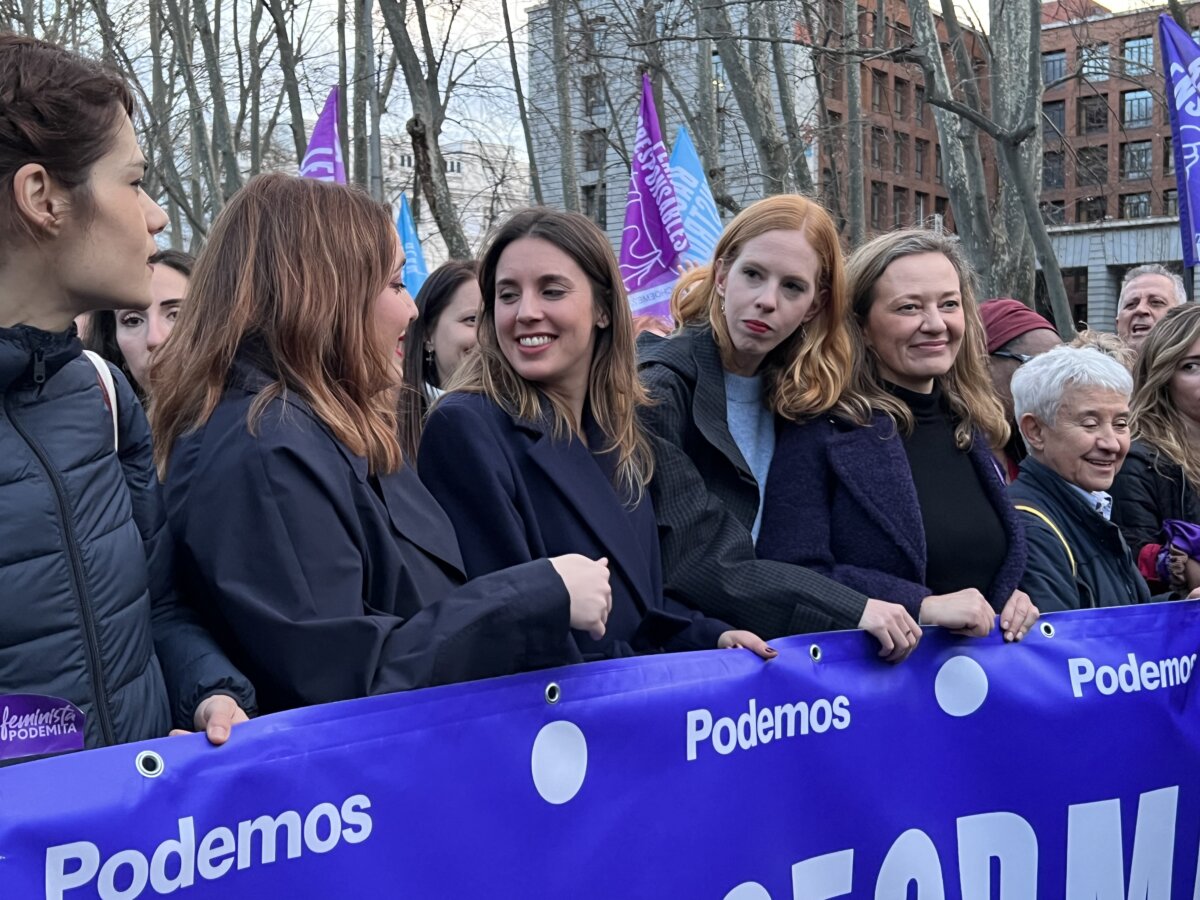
{"points": [[593, 95], [1052, 169], [919, 102], [1137, 159], [1138, 55], [452, 166], [1137, 109], [595, 149], [878, 89], [1054, 212], [1168, 157], [835, 79], [1055, 115], [900, 98], [878, 148], [1093, 114], [920, 151], [899, 153], [878, 202], [595, 203], [941, 206], [937, 164], [1091, 209], [1054, 66], [899, 207], [920, 207], [406, 160], [1171, 202], [1091, 166], [1093, 62], [719, 81], [1135, 206]]}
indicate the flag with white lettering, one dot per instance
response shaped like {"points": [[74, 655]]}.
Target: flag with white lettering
{"points": [[323, 159], [697, 208], [415, 270], [654, 236], [1065, 766], [1181, 63]]}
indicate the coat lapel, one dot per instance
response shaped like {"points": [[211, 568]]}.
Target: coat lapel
{"points": [[416, 515], [709, 406], [874, 471], [587, 488]]}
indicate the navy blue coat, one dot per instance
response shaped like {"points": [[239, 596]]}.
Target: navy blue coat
{"points": [[329, 583], [516, 494], [841, 501], [88, 612]]}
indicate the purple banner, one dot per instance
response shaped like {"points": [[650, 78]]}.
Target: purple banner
{"points": [[654, 237], [1181, 63], [323, 159], [36, 725]]}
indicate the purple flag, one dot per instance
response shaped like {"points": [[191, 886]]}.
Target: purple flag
{"points": [[1181, 61], [654, 237], [323, 159]]}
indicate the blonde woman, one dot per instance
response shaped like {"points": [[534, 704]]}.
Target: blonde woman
{"points": [[537, 449], [763, 336], [912, 507], [1160, 481]]}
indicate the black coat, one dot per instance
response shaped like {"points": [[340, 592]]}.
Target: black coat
{"points": [[515, 494], [329, 583], [87, 607], [1148, 490], [841, 501], [706, 500], [1106, 574]]}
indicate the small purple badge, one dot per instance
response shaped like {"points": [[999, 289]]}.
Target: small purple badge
{"points": [[36, 725]]}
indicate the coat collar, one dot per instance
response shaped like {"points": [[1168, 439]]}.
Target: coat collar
{"points": [[710, 408], [883, 491], [20, 345], [583, 476]]}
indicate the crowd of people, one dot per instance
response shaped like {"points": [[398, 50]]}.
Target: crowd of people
{"points": [[340, 490]]}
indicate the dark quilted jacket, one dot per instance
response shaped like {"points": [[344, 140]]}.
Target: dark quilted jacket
{"points": [[86, 607]]}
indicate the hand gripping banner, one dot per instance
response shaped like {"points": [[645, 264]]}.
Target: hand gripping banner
{"points": [[1066, 766]]}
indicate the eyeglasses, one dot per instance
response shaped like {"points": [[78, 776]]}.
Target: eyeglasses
{"points": [[1021, 358]]}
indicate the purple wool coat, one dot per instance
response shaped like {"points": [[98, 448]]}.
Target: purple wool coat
{"points": [[840, 500]]}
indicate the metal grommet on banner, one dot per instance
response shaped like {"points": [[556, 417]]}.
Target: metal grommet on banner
{"points": [[553, 692], [149, 764], [1047, 629], [815, 652]]}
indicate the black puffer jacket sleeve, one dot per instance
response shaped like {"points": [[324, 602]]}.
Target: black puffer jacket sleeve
{"points": [[1136, 507], [194, 667]]}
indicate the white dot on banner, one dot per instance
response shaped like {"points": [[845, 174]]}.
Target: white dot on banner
{"points": [[559, 761], [749, 890], [961, 686]]}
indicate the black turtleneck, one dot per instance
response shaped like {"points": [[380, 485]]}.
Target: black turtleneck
{"points": [[964, 535]]}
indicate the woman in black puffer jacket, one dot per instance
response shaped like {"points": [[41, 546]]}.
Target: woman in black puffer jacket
{"points": [[87, 613]]}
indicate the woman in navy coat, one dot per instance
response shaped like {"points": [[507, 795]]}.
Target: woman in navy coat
{"points": [[329, 571], [911, 507], [537, 449]]}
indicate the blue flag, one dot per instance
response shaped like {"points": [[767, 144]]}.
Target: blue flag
{"points": [[701, 221], [1181, 61], [415, 270]]}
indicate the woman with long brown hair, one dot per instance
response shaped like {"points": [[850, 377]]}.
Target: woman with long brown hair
{"points": [[537, 448], [911, 506], [1160, 481], [330, 571]]}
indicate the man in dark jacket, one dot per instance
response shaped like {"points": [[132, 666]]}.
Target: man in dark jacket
{"points": [[1073, 409]]}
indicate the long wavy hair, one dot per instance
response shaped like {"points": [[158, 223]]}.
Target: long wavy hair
{"points": [[289, 277], [1156, 421], [420, 369], [614, 391], [808, 373], [967, 386]]}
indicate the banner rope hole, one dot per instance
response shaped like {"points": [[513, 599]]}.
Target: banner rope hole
{"points": [[553, 693], [149, 764], [1048, 629], [815, 652]]}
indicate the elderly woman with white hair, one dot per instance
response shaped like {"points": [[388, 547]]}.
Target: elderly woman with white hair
{"points": [[1072, 406]]}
